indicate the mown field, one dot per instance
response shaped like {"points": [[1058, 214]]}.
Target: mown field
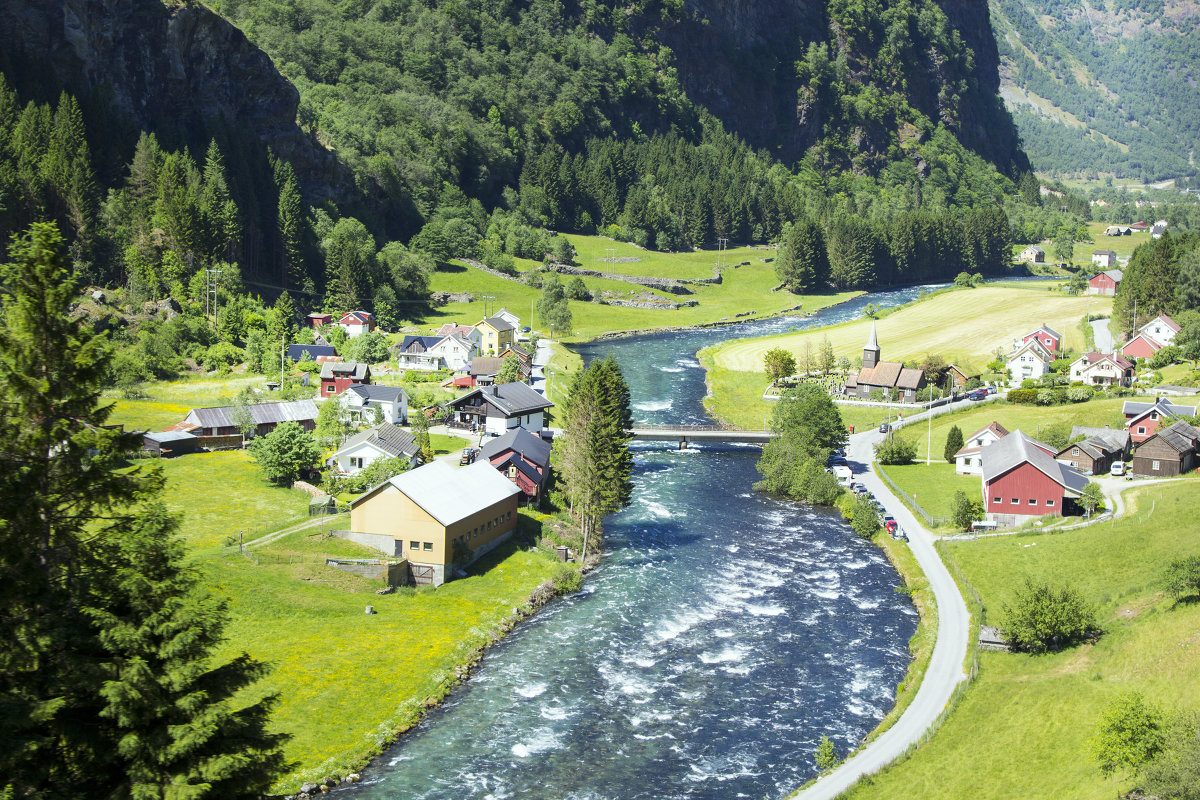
{"points": [[965, 327], [743, 289], [1021, 728]]}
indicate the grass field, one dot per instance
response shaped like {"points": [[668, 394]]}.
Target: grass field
{"points": [[965, 327], [933, 486], [1020, 730], [168, 402], [590, 250], [743, 289]]}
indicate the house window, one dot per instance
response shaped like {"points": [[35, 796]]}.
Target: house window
{"points": [[1141, 428], [997, 500], [356, 462], [1032, 502], [1154, 466], [1153, 415], [1014, 501], [329, 390], [414, 545], [1049, 502], [427, 546]]}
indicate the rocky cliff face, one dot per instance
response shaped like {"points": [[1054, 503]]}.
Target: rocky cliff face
{"points": [[737, 58], [184, 73]]}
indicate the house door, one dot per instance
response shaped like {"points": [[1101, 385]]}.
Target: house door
{"points": [[420, 575]]}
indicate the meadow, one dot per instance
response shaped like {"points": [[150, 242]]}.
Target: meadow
{"points": [[965, 326], [1020, 729]]}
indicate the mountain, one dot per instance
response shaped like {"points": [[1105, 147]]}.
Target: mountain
{"points": [[1103, 87]]}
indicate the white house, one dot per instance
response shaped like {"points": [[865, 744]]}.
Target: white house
{"points": [[969, 459], [1101, 369], [509, 317], [356, 323], [1161, 329], [1029, 360], [1104, 259], [454, 352], [359, 403], [382, 441], [1032, 255], [496, 409]]}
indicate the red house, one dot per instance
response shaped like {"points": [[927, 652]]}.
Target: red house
{"points": [[1022, 479], [1143, 419], [1046, 337], [318, 320], [1140, 346], [338, 376], [1105, 283], [523, 457]]}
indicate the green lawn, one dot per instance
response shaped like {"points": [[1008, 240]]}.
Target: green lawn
{"points": [[933, 486], [168, 402], [743, 289], [965, 327], [444, 445], [1021, 727], [590, 250]]}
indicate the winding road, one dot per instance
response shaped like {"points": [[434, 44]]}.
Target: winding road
{"points": [[945, 670]]}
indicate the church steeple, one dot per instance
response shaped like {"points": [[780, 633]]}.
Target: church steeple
{"points": [[871, 351]]}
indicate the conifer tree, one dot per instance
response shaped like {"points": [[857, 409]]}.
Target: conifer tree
{"points": [[291, 226], [954, 443], [107, 688]]}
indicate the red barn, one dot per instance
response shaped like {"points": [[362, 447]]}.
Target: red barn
{"points": [[1105, 283], [338, 376], [1140, 346], [1143, 419], [1046, 337], [1021, 479]]}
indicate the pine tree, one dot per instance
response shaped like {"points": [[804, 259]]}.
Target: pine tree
{"points": [[291, 227], [954, 443], [106, 686]]}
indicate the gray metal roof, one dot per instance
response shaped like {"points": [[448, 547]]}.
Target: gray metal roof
{"points": [[1165, 407], [163, 437], [532, 447], [390, 439], [373, 391], [296, 351], [511, 399], [261, 413], [500, 323], [1016, 449], [1118, 438], [344, 369], [450, 495]]}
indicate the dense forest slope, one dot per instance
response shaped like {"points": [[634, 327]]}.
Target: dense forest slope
{"points": [[1103, 87]]}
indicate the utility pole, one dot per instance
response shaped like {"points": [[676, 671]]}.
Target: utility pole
{"points": [[486, 305], [210, 290], [721, 245], [282, 359]]}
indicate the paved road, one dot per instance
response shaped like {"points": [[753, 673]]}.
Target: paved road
{"points": [[1102, 336], [949, 652]]}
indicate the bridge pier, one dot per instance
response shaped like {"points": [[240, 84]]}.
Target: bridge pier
{"points": [[683, 444]]}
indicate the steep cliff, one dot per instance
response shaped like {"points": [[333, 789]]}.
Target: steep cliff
{"points": [[183, 73]]}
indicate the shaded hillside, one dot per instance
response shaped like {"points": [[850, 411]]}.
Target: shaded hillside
{"points": [[1107, 87]]}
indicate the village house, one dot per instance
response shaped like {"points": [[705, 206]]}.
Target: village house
{"points": [[1104, 283], [896, 381], [454, 352], [454, 329], [958, 377], [1105, 259], [968, 460], [413, 353], [317, 320], [1143, 419], [509, 317], [497, 409], [382, 441], [356, 323], [1161, 329], [495, 333], [1102, 369], [1032, 255], [1029, 360], [1140, 226], [1158, 229], [1117, 437], [360, 402], [338, 376], [436, 517], [223, 420], [1047, 337], [309, 352], [523, 458], [1022, 479], [1170, 451], [1140, 346], [1091, 456]]}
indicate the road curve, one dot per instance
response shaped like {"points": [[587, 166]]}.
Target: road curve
{"points": [[949, 652]]}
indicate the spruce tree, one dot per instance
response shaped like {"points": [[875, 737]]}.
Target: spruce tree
{"points": [[106, 685], [954, 443]]}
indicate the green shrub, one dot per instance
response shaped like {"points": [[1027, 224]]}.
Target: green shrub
{"points": [[567, 579], [1080, 394], [966, 510], [1182, 576], [1023, 396], [1040, 618], [895, 450]]}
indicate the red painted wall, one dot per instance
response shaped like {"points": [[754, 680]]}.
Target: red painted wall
{"points": [[1145, 423], [339, 385], [1103, 284], [1138, 348], [1044, 339], [1024, 482]]}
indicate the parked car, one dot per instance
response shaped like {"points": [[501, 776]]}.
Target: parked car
{"points": [[890, 525], [978, 394], [884, 427], [1118, 468]]}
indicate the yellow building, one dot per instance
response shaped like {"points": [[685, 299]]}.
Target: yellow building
{"points": [[431, 514], [494, 334]]}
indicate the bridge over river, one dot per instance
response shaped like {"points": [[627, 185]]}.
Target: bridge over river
{"points": [[697, 433]]}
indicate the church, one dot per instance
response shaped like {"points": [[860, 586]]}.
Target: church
{"points": [[897, 381]]}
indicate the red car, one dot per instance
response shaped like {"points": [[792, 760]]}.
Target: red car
{"points": [[890, 525]]}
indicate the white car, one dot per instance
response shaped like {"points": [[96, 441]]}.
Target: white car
{"points": [[1118, 468]]}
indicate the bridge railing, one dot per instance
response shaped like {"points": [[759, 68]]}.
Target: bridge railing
{"points": [[681, 428]]}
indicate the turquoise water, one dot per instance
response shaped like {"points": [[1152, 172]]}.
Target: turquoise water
{"points": [[724, 633]]}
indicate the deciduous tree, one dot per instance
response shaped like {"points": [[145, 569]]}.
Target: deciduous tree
{"points": [[285, 451], [779, 363]]}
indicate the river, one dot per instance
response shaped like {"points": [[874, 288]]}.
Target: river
{"points": [[723, 634]]}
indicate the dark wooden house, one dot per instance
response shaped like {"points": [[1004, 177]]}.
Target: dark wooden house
{"points": [[1170, 451]]}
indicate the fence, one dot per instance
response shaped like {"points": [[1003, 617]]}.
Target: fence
{"points": [[932, 522]]}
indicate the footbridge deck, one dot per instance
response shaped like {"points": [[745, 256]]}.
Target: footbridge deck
{"points": [[697, 433]]}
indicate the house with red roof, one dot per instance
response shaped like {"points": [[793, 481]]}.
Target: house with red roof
{"points": [[1102, 369], [356, 323], [1022, 479]]}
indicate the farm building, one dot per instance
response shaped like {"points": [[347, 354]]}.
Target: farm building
{"points": [[1104, 283], [1091, 456], [222, 420], [1021, 479], [1143, 419], [1117, 437], [1170, 451], [170, 443], [436, 514]]}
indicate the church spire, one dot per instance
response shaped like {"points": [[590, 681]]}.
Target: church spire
{"points": [[871, 351], [872, 341]]}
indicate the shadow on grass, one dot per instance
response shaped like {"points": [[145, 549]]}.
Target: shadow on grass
{"points": [[1185, 601], [452, 268]]}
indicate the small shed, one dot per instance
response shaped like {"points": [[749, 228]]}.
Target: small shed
{"points": [[170, 443]]}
